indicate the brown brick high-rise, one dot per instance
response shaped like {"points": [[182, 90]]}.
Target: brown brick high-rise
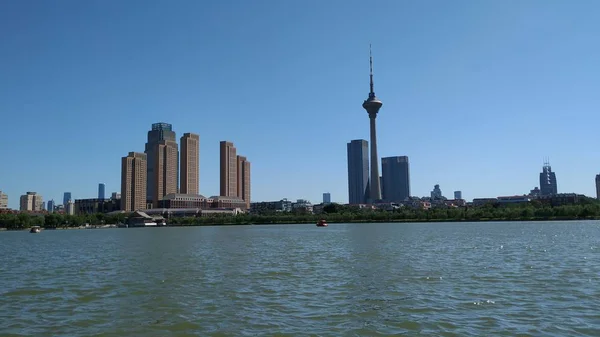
{"points": [[133, 182], [165, 170], [243, 179], [190, 159], [228, 169]]}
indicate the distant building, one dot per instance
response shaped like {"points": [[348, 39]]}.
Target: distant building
{"points": [[31, 202], [101, 188], [516, 199], [243, 179], [484, 201], [283, 205], [227, 202], [181, 200], [437, 192], [597, 186], [228, 169], [3, 200], [303, 206], [133, 182], [326, 198], [92, 206], [115, 196], [547, 181], [458, 195], [535, 193], [162, 161], [50, 206], [358, 171], [70, 208], [66, 198], [190, 164], [396, 178]]}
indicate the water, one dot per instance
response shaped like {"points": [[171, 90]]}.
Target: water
{"points": [[437, 279]]}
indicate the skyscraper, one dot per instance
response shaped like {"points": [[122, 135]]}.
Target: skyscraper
{"points": [[358, 171], [31, 201], [437, 192], [101, 188], [547, 180], [228, 169], [66, 198], [326, 198], [165, 170], [190, 161], [133, 181], [243, 179], [3, 200], [50, 205], [597, 186], [372, 105], [159, 132], [396, 178]]}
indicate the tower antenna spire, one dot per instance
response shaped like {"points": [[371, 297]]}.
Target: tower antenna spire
{"points": [[371, 93]]}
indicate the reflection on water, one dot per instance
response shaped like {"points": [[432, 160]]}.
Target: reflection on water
{"points": [[458, 279]]}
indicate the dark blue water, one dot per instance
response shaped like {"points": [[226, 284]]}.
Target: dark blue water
{"points": [[439, 279]]}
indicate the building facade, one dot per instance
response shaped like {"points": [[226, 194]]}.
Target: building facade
{"points": [[133, 181], [283, 205], [101, 191], [458, 195], [159, 132], [3, 200], [165, 171], [358, 171], [228, 169], [437, 192], [31, 201], [66, 198], [547, 181], [190, 164], [182, 200], [50, 206], [326, 198], [396, 178], [243, 179], [92, 206]]}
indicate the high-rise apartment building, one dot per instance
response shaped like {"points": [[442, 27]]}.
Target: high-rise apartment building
{"points": [[190, 162], [437, 192], [31, 201], [228, 169], [326, 198], [101, 191], [457, 195], [165, 170], [160, 132], [597, 186], [66, 198], [547, 180], [243, 179], [358, 171], [3, 200], [396, 178], [51, 205], [133, 181]]}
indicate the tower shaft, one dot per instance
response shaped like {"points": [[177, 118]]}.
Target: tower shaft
{"points": [[375, 186]]}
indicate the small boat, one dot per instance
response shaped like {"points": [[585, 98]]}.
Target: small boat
{"points": [[35, 229], [322, 223]]}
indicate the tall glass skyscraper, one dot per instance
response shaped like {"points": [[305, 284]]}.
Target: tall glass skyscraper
{"points": [[396, 178], [66, 198], [101, 188], [358, 171]]}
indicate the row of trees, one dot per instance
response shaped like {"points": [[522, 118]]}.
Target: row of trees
{"points": [[589, 209]]}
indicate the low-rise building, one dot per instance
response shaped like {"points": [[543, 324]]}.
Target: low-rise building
{"points": [[484, 201], [181, 200], [91, 206], [302, 205], [515, 199], [282, 205]]}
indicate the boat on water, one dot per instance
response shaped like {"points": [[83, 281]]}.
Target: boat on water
{"points": [[35, 229], [322, 223]]}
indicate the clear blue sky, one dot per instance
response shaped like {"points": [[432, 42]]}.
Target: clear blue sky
{"points": [[476, 93]]}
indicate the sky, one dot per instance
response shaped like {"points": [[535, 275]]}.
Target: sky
{"points": [[475, 93]]}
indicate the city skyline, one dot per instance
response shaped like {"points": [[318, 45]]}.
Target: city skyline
{"points": [[453, 83]]}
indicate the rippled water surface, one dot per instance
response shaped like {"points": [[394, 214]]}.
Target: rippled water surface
{"points": [[438, 279]]}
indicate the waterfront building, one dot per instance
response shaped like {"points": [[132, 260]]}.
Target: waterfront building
{"points": [[66, 198], [372, 106], [396, 178], [326, 198], [162, 158], [547, 180], [3, 200], [283, 205], [133, 181], [437, 192], [31, 201], [302, 205], [597, 186], [92, 206], [101, 189], [190, 164], [458, 195], [358, 171], [243, 179], [228, 169]]}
